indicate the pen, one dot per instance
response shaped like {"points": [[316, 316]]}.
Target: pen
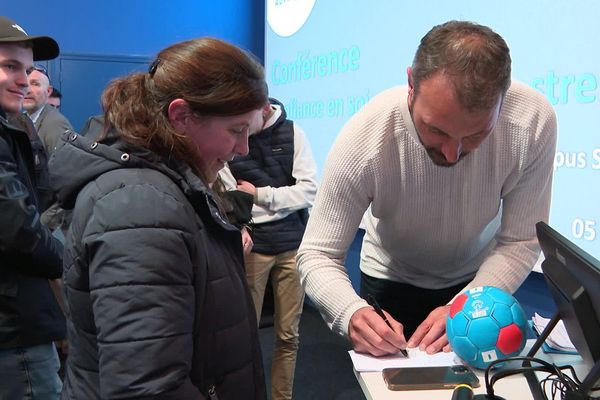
{"points": [[373, 303]]}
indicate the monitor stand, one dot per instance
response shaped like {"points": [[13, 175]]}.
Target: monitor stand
{"points": [[534, 384]]}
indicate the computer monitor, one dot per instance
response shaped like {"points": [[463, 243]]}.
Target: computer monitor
{"points": [[573, 277]]}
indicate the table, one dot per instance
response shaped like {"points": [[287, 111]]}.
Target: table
{"points": [[511, 388]]}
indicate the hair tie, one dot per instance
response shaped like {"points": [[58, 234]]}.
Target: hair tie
{"points": [[153, 67]]}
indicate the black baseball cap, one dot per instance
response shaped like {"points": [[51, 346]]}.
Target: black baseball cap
{"points": [[44, 47]]}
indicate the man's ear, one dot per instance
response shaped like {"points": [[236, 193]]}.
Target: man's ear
{"points": [[411, 88], [178, 113], [50, 89]]}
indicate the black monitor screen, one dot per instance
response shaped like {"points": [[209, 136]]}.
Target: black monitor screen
{"points": [[573, 277]]}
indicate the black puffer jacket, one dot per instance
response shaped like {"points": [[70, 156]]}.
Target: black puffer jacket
{"points": [[157, 302], [29, 254]]}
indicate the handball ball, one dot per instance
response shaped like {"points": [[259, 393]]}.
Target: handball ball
{"points": [[486, 324]]}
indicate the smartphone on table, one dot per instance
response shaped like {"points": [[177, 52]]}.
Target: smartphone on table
{"points": [[423, 378]]}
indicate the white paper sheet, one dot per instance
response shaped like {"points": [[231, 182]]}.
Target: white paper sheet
{"points": [[416, 358], [558, 338]]}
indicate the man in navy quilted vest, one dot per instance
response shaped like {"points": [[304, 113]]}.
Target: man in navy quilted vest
{"points": [[280, 173]]}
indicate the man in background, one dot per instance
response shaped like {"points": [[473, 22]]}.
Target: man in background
{"points": [[30, 318], [451, 174], [48, 121], [279, 173], [50, 125], [55, 98]]}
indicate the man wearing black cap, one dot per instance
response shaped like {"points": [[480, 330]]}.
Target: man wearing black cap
{"points": [[30, 318]]}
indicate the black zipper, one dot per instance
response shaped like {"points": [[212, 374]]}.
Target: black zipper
{"points": [[212, 393]]}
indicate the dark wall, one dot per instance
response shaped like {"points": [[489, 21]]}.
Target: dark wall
{"points": [[140, 27], [102, 40]]}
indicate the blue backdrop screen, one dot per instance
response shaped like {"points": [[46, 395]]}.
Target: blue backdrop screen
{"points": [[325, 59]]}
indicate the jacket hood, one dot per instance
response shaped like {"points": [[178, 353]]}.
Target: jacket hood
{"points": [[79, 160]]}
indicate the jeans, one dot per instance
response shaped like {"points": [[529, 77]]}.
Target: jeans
{"points": [[288, 300], [30, 373]]}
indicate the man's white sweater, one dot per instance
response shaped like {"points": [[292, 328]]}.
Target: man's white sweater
{"points": [[426, 225]]}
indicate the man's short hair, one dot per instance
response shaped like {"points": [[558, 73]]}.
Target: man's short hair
{"points": [[475, 57], [56, 93]]}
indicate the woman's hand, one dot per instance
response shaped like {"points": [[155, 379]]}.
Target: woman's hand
{"points": [[247, 242]]}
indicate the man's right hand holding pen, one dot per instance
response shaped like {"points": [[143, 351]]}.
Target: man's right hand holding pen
{"points": [[370, 333]]}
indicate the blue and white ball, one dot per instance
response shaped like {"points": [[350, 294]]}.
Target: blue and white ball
{"points": [[486, 324]]}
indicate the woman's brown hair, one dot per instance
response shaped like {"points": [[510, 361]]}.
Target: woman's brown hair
{"points": [[214, 77]]}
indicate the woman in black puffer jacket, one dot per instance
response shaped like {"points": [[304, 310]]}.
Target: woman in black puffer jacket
{"points": [[157, 302]]}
